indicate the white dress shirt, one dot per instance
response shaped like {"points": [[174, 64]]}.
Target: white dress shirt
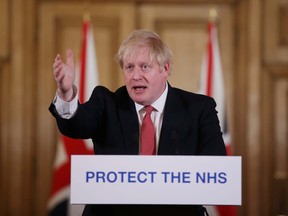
{"points": [[156, 115]]}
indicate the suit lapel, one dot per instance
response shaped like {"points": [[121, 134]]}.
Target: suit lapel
{"points": [[129, 123], [173, 118]]}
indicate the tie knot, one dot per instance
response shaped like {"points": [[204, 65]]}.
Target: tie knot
{"points": [[148, 109]]}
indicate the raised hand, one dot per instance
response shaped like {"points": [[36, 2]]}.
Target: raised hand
{"points": [[64, 74]]}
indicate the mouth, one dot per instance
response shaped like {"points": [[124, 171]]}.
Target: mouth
{"points": [[139, 88]]}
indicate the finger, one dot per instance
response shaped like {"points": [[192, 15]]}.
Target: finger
{"points": [[59, 78], [58, 58], [57, 61], [69, 54], [57, 65], [57, 71]]}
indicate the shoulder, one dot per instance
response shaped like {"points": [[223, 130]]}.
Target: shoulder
{"points": [[102, 90], [191, 98], [104, 95]]}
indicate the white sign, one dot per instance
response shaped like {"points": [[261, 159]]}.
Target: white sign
{"points": [[204, 180]]}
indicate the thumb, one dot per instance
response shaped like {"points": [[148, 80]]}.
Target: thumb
{"points": [[70, 58]]}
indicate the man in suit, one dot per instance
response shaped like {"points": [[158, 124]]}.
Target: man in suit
{"points": [[185, 123]]}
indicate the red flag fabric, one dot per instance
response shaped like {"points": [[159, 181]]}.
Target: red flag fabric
{"points": [[87, 78], [212, 84]]}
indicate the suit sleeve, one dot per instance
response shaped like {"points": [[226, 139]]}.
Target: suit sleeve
{"points": [[87, 119], [210, 135]]}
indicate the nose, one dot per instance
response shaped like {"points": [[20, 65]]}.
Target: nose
{"points": [[137, 73]]}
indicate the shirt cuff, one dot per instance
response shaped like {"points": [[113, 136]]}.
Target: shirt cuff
{"points": [[66, 109]]}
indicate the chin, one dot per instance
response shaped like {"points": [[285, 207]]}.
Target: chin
{"points": [[139, 101], [136, 98]]}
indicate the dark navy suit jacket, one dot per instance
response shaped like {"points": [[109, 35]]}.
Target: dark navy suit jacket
{"points": [[190, 127]]}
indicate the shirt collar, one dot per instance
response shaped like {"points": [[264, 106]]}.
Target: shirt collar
{"points": [[158, 104]]}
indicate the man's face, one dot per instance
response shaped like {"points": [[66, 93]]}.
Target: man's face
{"points": [[145, 80]]}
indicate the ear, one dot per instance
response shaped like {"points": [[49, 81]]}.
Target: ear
{"points": [[167, 68]]}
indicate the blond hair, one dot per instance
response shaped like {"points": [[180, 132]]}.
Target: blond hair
{"points": [[158, 50]]}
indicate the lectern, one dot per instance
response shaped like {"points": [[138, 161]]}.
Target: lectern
{"points": [[181, 180]]}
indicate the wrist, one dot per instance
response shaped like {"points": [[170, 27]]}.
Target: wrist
{"points": [[66, 96]]}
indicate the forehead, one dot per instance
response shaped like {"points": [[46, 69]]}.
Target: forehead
{"points": [[137, 54]]}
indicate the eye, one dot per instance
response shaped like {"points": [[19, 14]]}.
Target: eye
{"points": [[129, 67], [145, 68]]}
